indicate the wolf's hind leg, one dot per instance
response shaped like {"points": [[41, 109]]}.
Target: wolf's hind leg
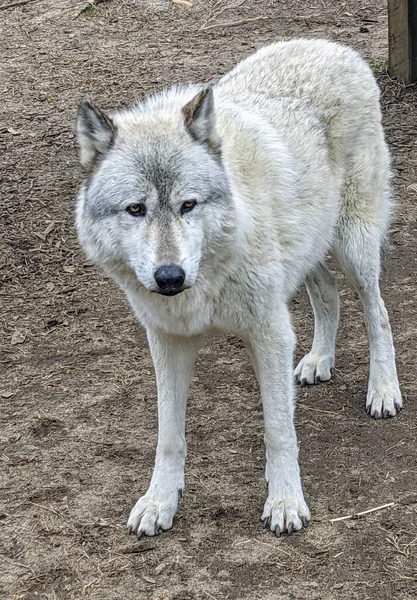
{"points": [[317, 365], [358, 252]]}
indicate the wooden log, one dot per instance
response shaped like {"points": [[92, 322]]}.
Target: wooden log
{"points": [[402, 34]]}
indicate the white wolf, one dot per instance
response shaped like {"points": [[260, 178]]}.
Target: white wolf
{"points": [[209, 206]]}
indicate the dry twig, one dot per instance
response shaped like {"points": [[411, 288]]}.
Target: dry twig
{"points": [[136, 549], [233, 23], [362, 514], [320, 410], [13, 4], [182, 3]]}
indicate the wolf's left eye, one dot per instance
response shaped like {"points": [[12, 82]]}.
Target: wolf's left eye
{"points": [[136, 210], [188, 206]]}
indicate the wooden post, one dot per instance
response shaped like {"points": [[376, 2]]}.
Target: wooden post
{"points": [[402, 34]]}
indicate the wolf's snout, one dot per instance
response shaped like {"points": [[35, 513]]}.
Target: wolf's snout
{"points": [[170, 279]]}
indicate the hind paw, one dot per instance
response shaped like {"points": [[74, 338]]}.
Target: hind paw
{"points": [[313, 369]]}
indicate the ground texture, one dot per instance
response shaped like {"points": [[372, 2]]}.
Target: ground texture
{"points": [[78, 411]]}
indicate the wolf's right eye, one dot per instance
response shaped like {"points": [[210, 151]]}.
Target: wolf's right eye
{"points": [[136, 210]]}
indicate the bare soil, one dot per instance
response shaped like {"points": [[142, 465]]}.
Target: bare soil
{"points": [[78, 411]]}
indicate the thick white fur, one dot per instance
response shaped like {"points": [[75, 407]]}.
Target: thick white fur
{"points": [[308, 168]]}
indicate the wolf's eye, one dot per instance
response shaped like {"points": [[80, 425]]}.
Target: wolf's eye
{"points": [[136, 210], [188, 206]]}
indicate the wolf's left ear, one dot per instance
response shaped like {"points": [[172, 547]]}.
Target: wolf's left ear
{"points": [[199, 119], [95, 133]]}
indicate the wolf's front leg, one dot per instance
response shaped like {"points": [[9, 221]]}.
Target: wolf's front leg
{"points": [[173, 359], [272, 345]]}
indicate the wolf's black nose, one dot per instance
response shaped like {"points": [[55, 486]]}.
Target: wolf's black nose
{"points": [[170, 279]]}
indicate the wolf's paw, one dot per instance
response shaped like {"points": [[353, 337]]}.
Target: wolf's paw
{"points": [[383, 402], [313, 369], [285, 514], [151, 515]]}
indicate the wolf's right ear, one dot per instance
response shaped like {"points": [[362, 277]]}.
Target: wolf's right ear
{"points": [[95, 133]]}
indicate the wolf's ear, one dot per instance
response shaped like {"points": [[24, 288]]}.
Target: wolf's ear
{"points": [[95, 133], [199, 119]]}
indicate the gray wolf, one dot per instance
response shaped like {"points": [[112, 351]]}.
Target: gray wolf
{"points": [[210, 205]]}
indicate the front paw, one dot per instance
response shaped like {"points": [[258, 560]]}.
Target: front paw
{"points": [[383, 401], [153, 513], [285, 513]]}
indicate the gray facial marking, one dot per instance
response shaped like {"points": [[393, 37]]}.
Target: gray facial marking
{"points": [[162, 172]]}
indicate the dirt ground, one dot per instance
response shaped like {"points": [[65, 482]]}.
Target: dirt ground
{"points": [[78, 406]]}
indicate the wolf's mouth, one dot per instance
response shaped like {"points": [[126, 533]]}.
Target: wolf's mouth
{"points": [[170, 292]]}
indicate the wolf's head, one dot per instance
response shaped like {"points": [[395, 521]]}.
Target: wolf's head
{"points": [[156, 202]]}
